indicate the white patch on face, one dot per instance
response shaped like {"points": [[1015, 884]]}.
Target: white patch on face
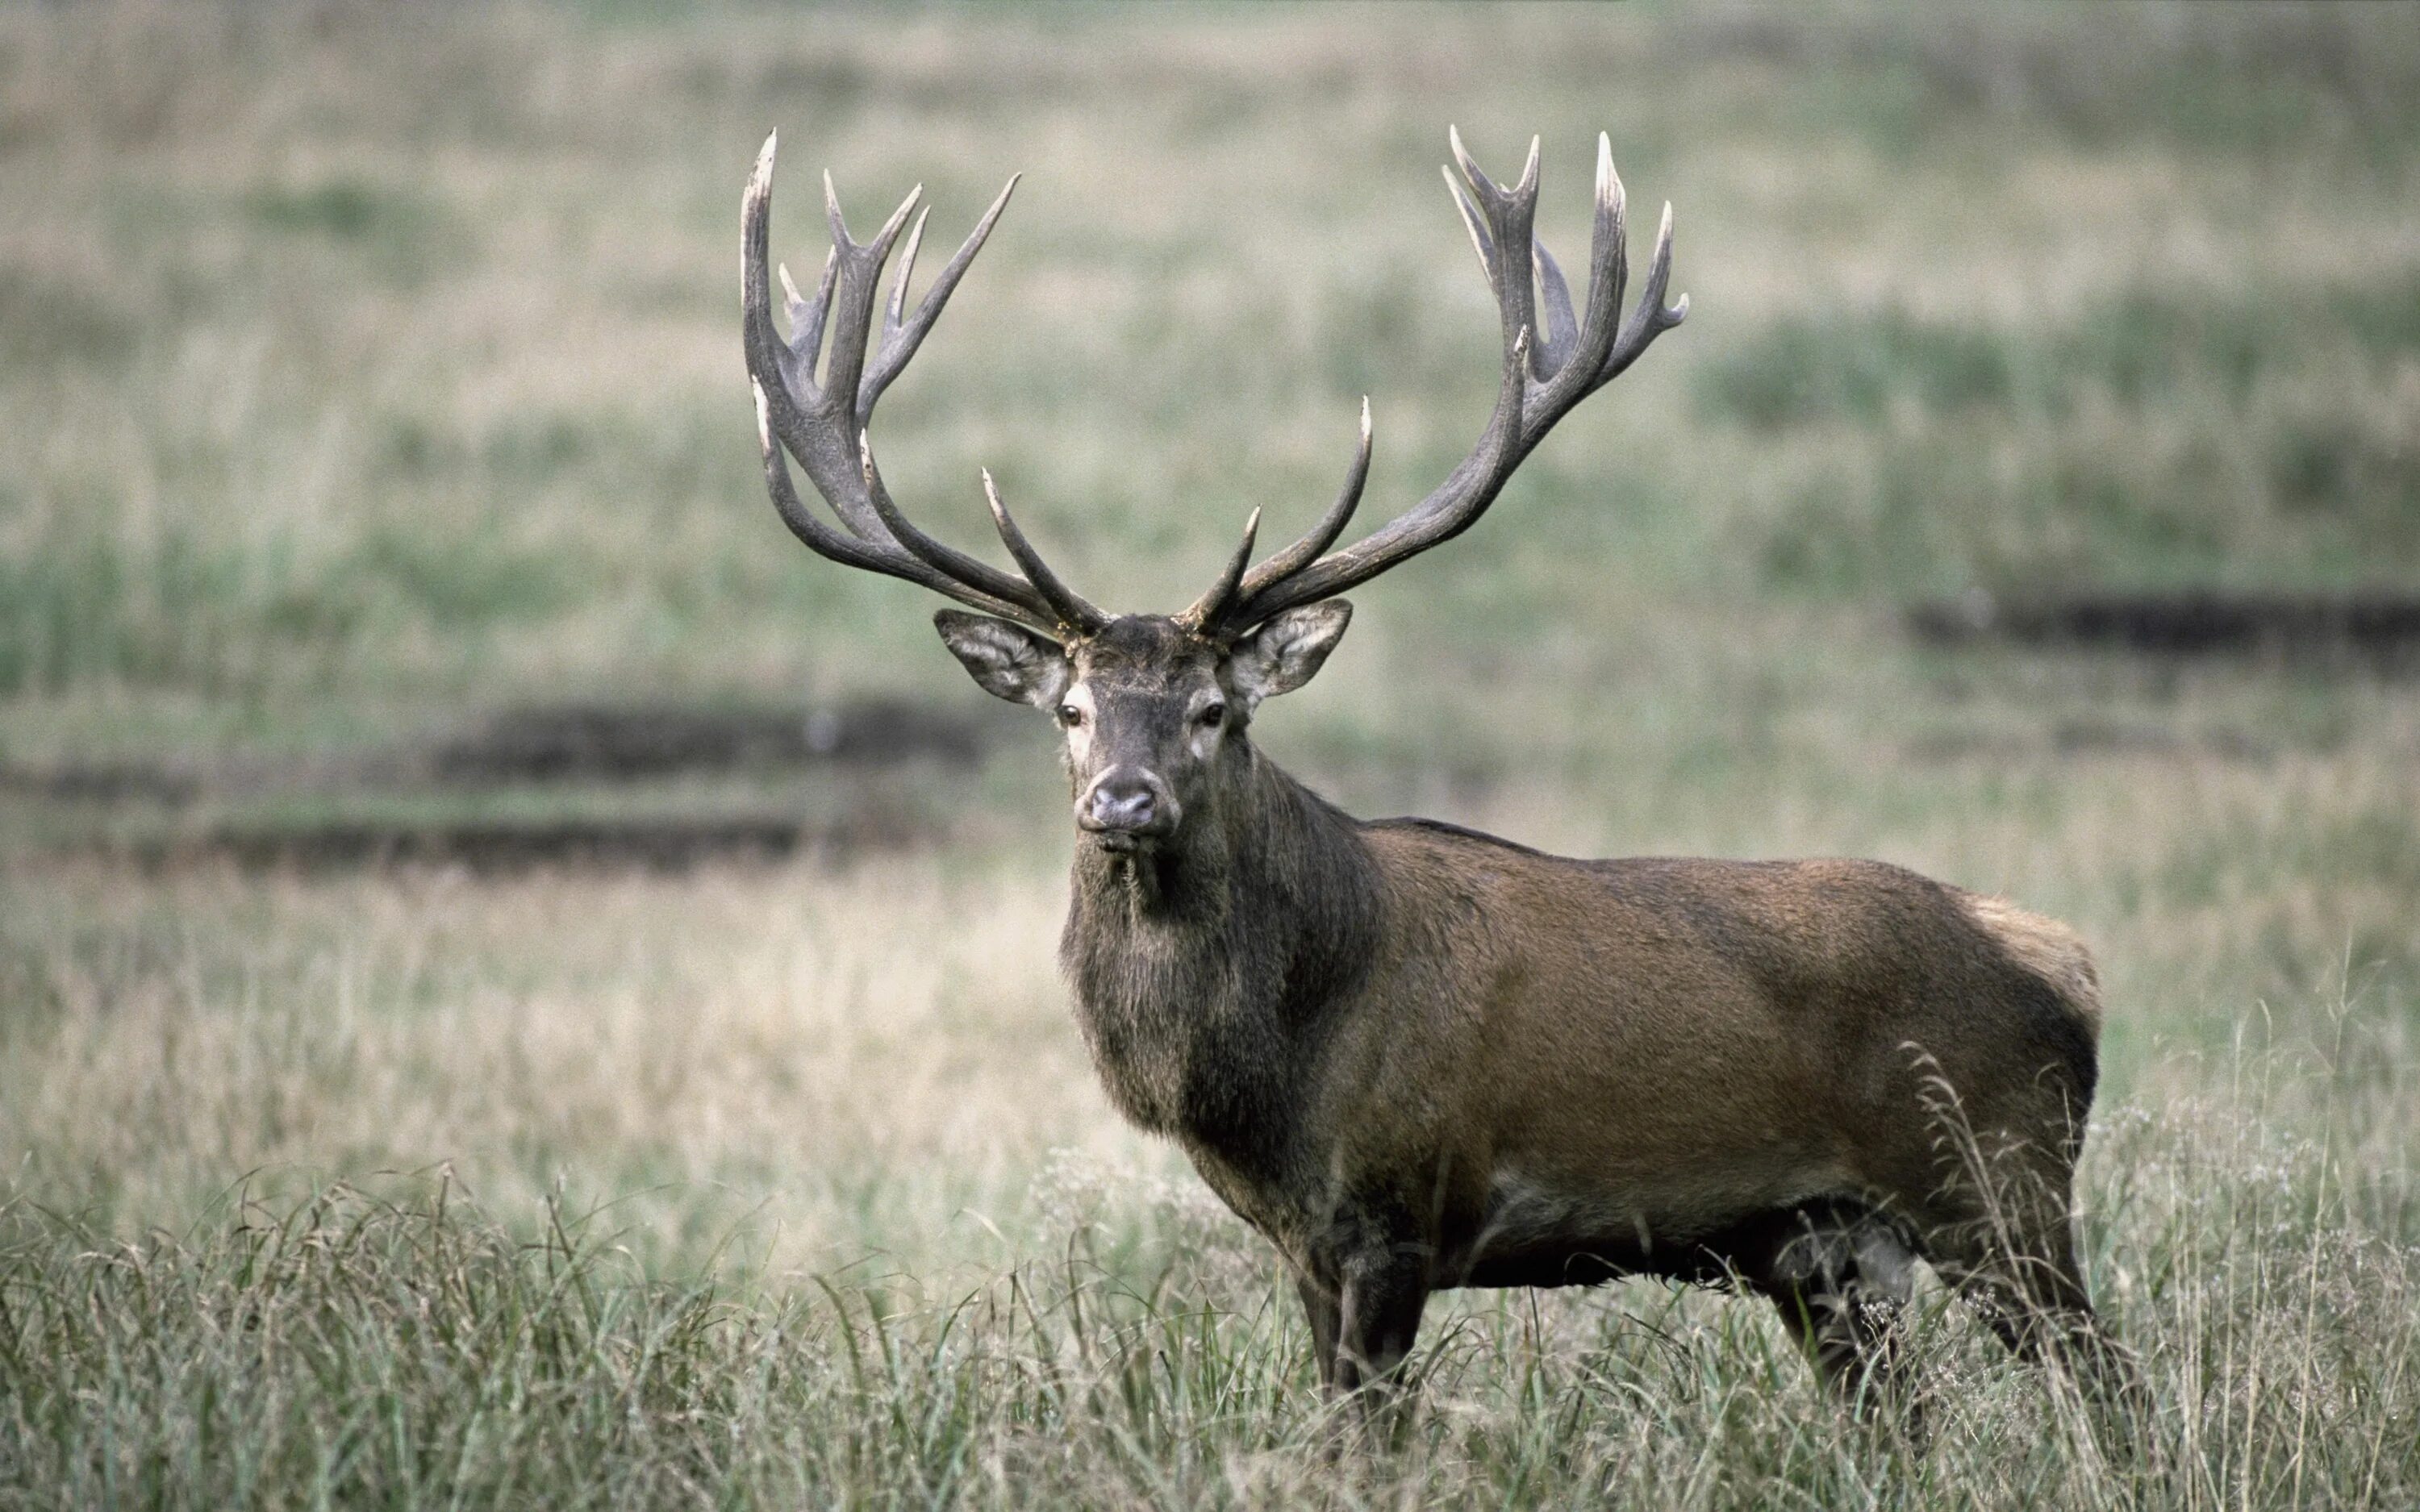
{"points": [[1079, 734]]}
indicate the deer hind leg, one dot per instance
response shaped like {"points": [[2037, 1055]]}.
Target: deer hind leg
{"points": [[2030, 1291], [1841, 1276], [2013, 1259]]}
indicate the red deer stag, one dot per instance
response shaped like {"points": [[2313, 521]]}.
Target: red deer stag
{"points": [[1416, 1056]]}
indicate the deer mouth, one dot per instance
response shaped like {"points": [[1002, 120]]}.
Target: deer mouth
{"points": [[1125, 841]]}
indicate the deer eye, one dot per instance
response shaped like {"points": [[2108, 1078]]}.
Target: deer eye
{"points": [[1212, 715], [1070, 716]]}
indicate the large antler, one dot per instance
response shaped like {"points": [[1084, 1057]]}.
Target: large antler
{"points": [[824, 425], [1546, 375]]}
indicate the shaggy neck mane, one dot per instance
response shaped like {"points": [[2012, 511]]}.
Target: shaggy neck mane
{"points": [[1199, 973]]}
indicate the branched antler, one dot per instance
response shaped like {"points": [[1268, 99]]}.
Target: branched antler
{"points": [[1545, 374], [824, 424], [1554, 357]]}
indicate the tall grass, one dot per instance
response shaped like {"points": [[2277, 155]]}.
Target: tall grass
{"points": [[402, 1349], [767, 1186]]}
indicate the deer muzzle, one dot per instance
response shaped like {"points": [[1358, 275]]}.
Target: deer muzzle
{"points": [[1126, 807]]}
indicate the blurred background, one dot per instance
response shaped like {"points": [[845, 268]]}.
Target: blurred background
{"points": [[420, 744]]}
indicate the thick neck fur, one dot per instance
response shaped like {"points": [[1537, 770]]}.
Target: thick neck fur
{"points": [[1204, 973]]}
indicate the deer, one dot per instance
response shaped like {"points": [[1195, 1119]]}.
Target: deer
{"points": [[1413, 1056]]}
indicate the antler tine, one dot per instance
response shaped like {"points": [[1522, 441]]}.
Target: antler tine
{"points": [[860, 277], [891, 312], [1207, 610], [1546, 373], [887, 236], [1471, 171], [939, 555], [1473, 223], [1073, 611], [806, 324], [899, 343], [823, 425], [1449, 510], [1331, 525], [849, 551], [1562, 327], [831, 213], [1510, 216], [1608, 271], [1650, 317]]}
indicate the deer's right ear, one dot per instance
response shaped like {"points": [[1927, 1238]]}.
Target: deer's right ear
{"points": [[1008, 661]]}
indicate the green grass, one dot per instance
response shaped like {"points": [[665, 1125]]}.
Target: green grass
{"points": [[2159, 441], [370, 368], [357, 1347]]}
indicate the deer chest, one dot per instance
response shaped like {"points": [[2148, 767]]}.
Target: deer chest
{"points": [[1188, 1054]]}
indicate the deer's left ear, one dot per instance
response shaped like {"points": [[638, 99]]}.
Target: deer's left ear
{"points": [[1008, 661], [1286, 650]]}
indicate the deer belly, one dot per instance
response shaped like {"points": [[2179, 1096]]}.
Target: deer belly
{"points": [[1556, 1232]]}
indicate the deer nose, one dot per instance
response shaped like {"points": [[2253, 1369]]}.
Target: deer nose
{"points": [[1125, 801], [1126, 808]]}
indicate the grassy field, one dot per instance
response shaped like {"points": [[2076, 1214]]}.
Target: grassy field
{"points": [[368, 370]]}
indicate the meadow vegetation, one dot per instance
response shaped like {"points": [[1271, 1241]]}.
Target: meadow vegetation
{"points": [[369, 368]]}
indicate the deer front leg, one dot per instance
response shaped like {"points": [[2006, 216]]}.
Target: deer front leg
{"points": [[1323, 1308], [1378, 1315], [1364, 1313]]}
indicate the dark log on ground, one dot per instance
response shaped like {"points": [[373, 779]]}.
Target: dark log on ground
{"points": [[667, 845], [2369, 627]]}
